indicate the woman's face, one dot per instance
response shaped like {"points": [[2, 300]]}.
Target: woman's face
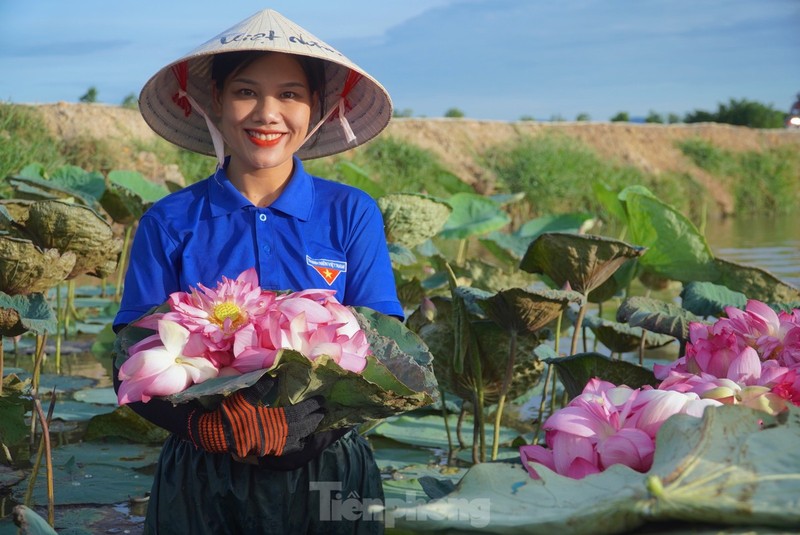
{"points": [[264, 111]]}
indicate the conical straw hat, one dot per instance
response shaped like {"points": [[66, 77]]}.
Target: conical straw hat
{"points": [[353, 99]]}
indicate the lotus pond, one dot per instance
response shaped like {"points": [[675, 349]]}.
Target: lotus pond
{"points": [[499, 337]]}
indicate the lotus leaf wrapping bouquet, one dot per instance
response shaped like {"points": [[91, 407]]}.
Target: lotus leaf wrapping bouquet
{"points": [[208, 343]]}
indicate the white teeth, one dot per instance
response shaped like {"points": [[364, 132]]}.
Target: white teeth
{"points": [[264, 137]]}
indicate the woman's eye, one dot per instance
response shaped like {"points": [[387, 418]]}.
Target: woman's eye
{"points": [[288, 94], [246, 92]]}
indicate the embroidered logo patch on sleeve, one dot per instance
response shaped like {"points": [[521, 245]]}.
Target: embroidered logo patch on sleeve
{"points": [[328, 269]]}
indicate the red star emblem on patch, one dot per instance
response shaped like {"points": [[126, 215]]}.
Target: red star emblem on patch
{"points": [[329, 274]]}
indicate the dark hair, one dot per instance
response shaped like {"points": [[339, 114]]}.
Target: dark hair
{"points": [[224, 65]]}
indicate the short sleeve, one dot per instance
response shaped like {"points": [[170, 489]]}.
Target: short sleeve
{"points": [[370, 280], [152, 273]]}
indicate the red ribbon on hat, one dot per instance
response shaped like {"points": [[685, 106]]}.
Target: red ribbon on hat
{"points": [[341, 108], [181, 72]]}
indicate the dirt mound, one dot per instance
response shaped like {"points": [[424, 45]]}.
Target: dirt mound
{"points": [[459, 142]]}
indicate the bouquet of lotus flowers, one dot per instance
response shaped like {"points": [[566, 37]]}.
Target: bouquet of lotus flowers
{"points": [[208, 343], [751, 357]]}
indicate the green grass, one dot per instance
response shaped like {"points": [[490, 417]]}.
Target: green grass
{"points": [[763, 182], [557, 172], [24, 139]]}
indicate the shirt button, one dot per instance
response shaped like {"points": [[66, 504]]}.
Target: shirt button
{"points": [[263, 217], [266, 248]]}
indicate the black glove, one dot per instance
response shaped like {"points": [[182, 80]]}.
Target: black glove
{"points": [[243, 425]]}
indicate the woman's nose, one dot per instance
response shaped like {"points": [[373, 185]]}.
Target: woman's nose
{"points": [[267, 109]]}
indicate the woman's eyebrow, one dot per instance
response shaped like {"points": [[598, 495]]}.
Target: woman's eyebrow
{"points": [[250, 81]]}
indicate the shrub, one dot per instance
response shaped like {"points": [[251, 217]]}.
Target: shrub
{"points": [[741, 113]]}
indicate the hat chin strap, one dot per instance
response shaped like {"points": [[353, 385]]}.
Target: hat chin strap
{"points": [[348, 131], [216, 135]]}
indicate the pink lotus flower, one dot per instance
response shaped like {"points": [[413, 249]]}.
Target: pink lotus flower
{"points": [[311, 322], [158, 366], [608, 425], [236, 328], [215, 318]]}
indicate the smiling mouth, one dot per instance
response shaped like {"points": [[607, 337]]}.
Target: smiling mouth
{"points": [[264, 139]]}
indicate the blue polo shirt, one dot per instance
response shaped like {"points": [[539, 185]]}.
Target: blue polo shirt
{"points": [[317, 234]]}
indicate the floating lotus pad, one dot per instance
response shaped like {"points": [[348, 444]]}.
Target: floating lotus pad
{"points": [[727, 468]]}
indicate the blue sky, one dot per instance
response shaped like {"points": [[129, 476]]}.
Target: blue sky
{"points": [[493, 59]]}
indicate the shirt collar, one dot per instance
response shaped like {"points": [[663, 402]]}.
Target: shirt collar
{"points": [[296, 200]]}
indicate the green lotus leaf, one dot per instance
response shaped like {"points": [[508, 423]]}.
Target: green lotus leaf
{"points": [[493, 349], [30, 522], [510, 248], [504, 199], [398, 377], [675, 248], [409, 292], [527, 310], [709, 299], [124, 423], [96, 473], [657, 316], [401, 255], [617, 283], [68, 182], [357, 177], [609, 199], [621, 337], [481, 274], [585, 262], [754, 282], [129, 195], [473, 215], [26, 269], [69, 227], [728, 468], [652, 280], [576, 370], [412, 218], [22, 313]]}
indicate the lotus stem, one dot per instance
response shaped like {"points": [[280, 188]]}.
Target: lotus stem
{"points": [[2, 358], [446, 425], [512, 355], [71, 301], [540, 415], [642, 344], [37, 372], [59, 319], [459, 425], [123, 258], [462, 252], [578, 323], [51, 500]]}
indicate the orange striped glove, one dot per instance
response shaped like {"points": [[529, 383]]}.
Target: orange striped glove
{"points": [[242, 425]]}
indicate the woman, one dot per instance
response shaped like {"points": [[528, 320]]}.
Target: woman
{"points": [[261, 96]]}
